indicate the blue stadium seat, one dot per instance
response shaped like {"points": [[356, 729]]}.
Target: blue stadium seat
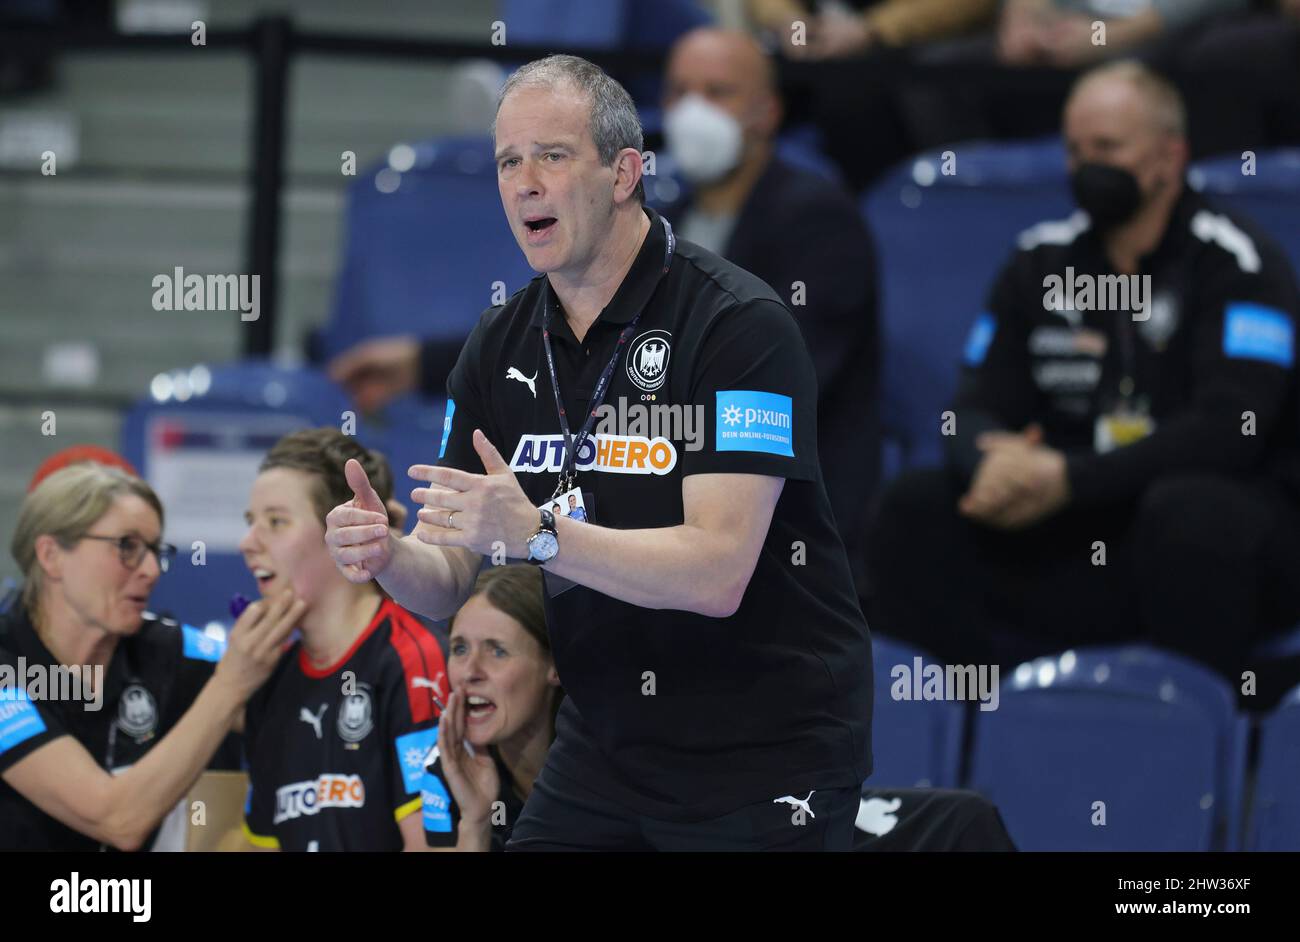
{"points": [[608, 25], [427, 246], [1154, 736], [1275, 818], [915, 743], [941, 240], [198, 439]]}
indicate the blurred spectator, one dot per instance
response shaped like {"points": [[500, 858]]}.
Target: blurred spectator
{"points": [[1065, 33], [500, 721], [1122, 466], [797, 232], [834, 30]]}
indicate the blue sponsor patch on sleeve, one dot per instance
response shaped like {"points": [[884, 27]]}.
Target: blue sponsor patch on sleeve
{"points": [[446, 426], [1257, 332], [981, 335], [411, 750], [435, 804], [19, 718], [198, 646], [748, 420]]}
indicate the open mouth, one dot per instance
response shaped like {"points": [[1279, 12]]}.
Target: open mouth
{"points": [[263, 577], [538, 225], [479, 708]]}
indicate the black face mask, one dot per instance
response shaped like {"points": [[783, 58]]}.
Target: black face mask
{"points": [[1110, 196]]}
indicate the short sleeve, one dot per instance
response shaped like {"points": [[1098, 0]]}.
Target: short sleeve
{"points": [[200, 653], [466, 406], [441, 816], [259, 807], [407, 742], [25, 726], [753, 382]]}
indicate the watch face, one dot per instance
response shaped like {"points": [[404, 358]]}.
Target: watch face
{"points": [[543, 546]]}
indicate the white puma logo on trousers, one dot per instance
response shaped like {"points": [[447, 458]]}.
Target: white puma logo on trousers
{"points": [[797, 802]]}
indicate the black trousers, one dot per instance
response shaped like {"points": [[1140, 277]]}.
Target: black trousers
{"points": [[564, 815], [1200, 564]]}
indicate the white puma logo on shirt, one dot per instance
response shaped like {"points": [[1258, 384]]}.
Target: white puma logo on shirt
{"points": [[314, 721], [513, 373], [797, 802]]}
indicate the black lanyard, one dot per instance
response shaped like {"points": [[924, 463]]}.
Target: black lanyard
{"points": [[571, 444]]}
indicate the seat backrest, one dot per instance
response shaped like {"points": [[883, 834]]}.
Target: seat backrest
{"points": [[427, 248], [914, 742], [1275, 816], [944, 228], [1126, 748]]}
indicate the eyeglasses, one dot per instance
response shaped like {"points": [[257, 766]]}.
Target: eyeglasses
{"points": [[131, 549]]}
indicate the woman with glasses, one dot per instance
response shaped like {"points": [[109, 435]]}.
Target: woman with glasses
{"points": [[107, 716]]}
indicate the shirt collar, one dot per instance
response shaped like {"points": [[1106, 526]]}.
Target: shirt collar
{"points": [[638, 284]]}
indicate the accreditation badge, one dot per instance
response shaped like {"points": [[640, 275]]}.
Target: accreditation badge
{"points": [[1120, 427], [572, 503]]}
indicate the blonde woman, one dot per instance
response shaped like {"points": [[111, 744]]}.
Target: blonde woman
{"points": [[107, 716]]}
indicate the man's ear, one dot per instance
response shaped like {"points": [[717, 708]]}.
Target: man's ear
{"points": [[553, 676], [628, 170], [49, 556]]}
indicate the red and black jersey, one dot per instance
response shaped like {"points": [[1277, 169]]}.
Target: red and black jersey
{"points": [[336, 756]]}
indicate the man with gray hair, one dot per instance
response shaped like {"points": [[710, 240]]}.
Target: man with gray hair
{"points": [[703, 621]]}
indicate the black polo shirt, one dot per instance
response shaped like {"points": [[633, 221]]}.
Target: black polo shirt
{"points": [[1217, 342], [151, 680], [678, 715]]}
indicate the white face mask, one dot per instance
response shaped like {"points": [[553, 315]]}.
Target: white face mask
{"points": [[704, 140]]}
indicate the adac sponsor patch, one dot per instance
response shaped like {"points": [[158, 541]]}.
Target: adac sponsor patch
{"points": [[411, 751], [19, 718], [435, 804], [198, 646], [979, 339], [446, 426], [750, 420], [616, 454], [1258, 332]]}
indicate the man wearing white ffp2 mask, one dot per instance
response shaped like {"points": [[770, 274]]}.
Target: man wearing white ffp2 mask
{"points": [[704, 140], [796, 231]]}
